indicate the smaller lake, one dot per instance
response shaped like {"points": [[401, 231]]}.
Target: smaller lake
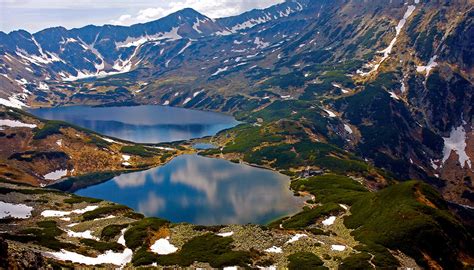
{"points": [[143, 124], [204, 191]]}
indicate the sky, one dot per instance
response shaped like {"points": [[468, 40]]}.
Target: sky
{"points": [[35, 15]]}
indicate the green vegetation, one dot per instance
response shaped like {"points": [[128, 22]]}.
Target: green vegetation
{"points": [[331, 188], [305, 261], [138, 150], [45, 235], [50, 128], [215, 250], [358, 261], [111, 231], [79, 199], [138, 235], [104, 211], [100, 142], [309, 216], [30, 156], [410, 217]]}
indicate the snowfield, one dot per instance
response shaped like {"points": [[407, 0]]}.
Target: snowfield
{"points": [[15, 210], [109, 257], [457, 142], [56, 175], [295, 238], [55, 213], [274, 249], [338, 247], [163, 247], [329, 221], [15, 123]]}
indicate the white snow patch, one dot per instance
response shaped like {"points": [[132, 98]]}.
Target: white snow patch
{"points": [[56, 175], [43, 86], [340, 87], [329, 221], [219, 70], [187, 100], [226, 234], [394, 96], [260, 43], [14, 210], [85, 234], [12, 102], [296, 237], [331, 114], [427, 69], [387, 51], [109, 140], [15, 123], [109, 257], [197, 93], [190, 42], [55, 213], [274, 249], [163, 247], [338, 247], [138, 41], [457, 142], [348, 129]]}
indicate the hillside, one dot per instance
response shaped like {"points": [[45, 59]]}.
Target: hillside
{"points": [[41, 152]]}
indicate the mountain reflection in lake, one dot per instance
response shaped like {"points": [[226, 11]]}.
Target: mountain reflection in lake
{"points": [[204, 191], [144, 124]]}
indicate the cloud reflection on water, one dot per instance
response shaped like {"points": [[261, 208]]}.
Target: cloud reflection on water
{"points": [[209, 191]]}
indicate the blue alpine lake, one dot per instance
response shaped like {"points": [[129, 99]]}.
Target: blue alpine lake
{"points": [[202, 190], [143, 124], [190, 188]]}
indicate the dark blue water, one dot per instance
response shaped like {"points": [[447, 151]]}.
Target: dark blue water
{"points": [[144, 124], [204, 191], [204, 146]]}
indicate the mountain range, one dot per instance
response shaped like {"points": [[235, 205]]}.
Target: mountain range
{"points": [[328, 91], [398, 70]]}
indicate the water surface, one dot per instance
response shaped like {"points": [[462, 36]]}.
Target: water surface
{"points": [[203, 191], [143, 124]]}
